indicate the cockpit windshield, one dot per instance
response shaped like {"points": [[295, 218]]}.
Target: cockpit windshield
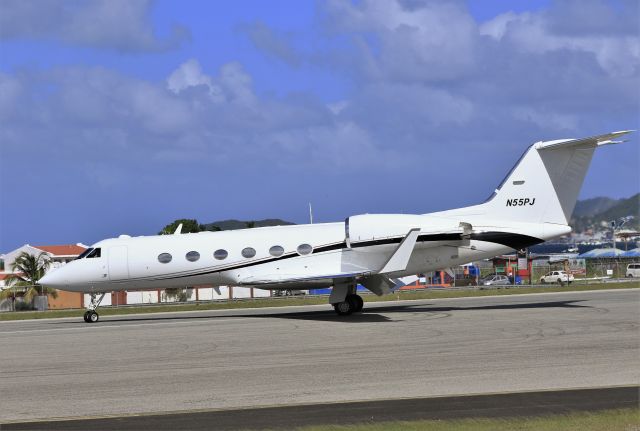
{"points": [[90, 253], [84, 253]]}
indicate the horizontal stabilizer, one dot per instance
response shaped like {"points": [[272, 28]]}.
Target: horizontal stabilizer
{"points": [[592, 141]]}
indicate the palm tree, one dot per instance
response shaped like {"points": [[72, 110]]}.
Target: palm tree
{"points": [[28, 269]]}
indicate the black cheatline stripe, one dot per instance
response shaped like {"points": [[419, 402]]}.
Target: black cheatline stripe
{"points": [[397, 240], [512, 240], [508, 239]]}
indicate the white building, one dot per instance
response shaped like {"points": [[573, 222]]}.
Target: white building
{"points": [[57, 254]]}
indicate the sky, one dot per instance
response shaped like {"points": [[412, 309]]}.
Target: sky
{"points": [[120, 116]]}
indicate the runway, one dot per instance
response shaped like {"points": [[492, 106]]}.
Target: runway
{"points": [[521, 404], [300, 355]]}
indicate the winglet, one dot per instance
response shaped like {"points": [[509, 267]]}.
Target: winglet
{"points": [[400, 258]]}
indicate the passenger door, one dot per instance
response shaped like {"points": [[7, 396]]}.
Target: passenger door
{"points": [[118, 263]]}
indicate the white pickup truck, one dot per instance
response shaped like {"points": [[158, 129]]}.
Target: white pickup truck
{"points": [[556, 277]]}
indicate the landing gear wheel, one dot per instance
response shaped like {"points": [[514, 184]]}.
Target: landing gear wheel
{"points": [[356, 301], [344, 308], [90, 316]]}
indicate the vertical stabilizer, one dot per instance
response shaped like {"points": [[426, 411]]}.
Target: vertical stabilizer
{"points": [[545, 183]]}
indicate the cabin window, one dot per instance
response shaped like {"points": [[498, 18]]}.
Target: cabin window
{"points": [[248, 252], [276, 251], [304, 249], [220, 254], [192, 256], [164, 258]]}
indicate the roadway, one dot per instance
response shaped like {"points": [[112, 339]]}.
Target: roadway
{"points": [[197, 361]]}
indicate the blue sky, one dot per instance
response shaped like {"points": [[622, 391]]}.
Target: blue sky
{"points": [[119, 116]]}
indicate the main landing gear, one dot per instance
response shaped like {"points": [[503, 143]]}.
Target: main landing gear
{"points": [[91, 316], [352, 304]]}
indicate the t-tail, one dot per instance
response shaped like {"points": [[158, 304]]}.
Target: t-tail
{"points": [[543, 186]]}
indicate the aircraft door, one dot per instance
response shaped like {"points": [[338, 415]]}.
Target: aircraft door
{"points": [[118, 263]]}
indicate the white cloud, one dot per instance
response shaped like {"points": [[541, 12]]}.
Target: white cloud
{"points": [[617, 54], [190, 74], [425, 80], [123, 25]]}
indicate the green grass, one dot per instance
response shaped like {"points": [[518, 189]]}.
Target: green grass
{"points": [[296, 301], [607, 420]]}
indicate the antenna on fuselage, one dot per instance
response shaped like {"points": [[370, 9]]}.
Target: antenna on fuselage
{"points": [[310, 214]]}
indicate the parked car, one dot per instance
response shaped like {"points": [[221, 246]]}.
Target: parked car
{"points": [[633, 270], [495, 280], [556, 277]]}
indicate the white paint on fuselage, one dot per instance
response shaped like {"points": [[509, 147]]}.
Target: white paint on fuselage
{"points": [[146, 272]]}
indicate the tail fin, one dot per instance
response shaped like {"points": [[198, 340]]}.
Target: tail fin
{"points": [[544, 185]]}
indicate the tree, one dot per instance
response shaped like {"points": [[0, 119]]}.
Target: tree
{"points": [[28, 269], [250, 224], [177, 293], [188, 226]]}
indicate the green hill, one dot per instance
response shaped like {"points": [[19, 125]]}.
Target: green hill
{"points": [[594, 213], [593, 206]]}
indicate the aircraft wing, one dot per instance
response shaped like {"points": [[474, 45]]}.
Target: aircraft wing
{"points": [[373, 279]]}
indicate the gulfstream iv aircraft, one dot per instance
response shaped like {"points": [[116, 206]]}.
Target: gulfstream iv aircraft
{"points": [[532, 205]]}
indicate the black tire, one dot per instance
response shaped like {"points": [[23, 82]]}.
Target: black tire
{"points": [[344, 308], [543, 281], [86, 316], [560, 282], [357, 301], [93, 317]]}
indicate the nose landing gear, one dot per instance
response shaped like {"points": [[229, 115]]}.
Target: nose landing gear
{"points": [[91, 316]]}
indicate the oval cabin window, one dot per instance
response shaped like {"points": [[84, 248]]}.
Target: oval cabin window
{"points": [[276, 251], [192, 256], [248, 252], [304, 249], [164, 258], [220, 254]]}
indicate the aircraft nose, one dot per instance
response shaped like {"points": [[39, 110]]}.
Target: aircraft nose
{"points": [[53, 279]]}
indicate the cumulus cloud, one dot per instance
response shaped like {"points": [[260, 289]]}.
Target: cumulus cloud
{"points": [[123, 25], [272, 42], [425, 81], [618, 54]]}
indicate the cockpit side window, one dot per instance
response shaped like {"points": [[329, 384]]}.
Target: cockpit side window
{"points": [[94, 253], [84, 253]]}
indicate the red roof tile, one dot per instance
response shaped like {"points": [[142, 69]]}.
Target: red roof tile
{"points": [[61, 250]]}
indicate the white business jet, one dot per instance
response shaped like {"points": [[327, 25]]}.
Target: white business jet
{"points": [[532, 205]]}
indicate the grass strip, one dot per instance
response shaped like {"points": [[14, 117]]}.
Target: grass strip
{"points": [[605, 420], [301, 300]]}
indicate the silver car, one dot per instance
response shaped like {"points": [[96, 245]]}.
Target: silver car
{"points": [[495, 280]]}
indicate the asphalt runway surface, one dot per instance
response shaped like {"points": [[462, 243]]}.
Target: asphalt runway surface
{"points": [[521, 404], [229, 359]]}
